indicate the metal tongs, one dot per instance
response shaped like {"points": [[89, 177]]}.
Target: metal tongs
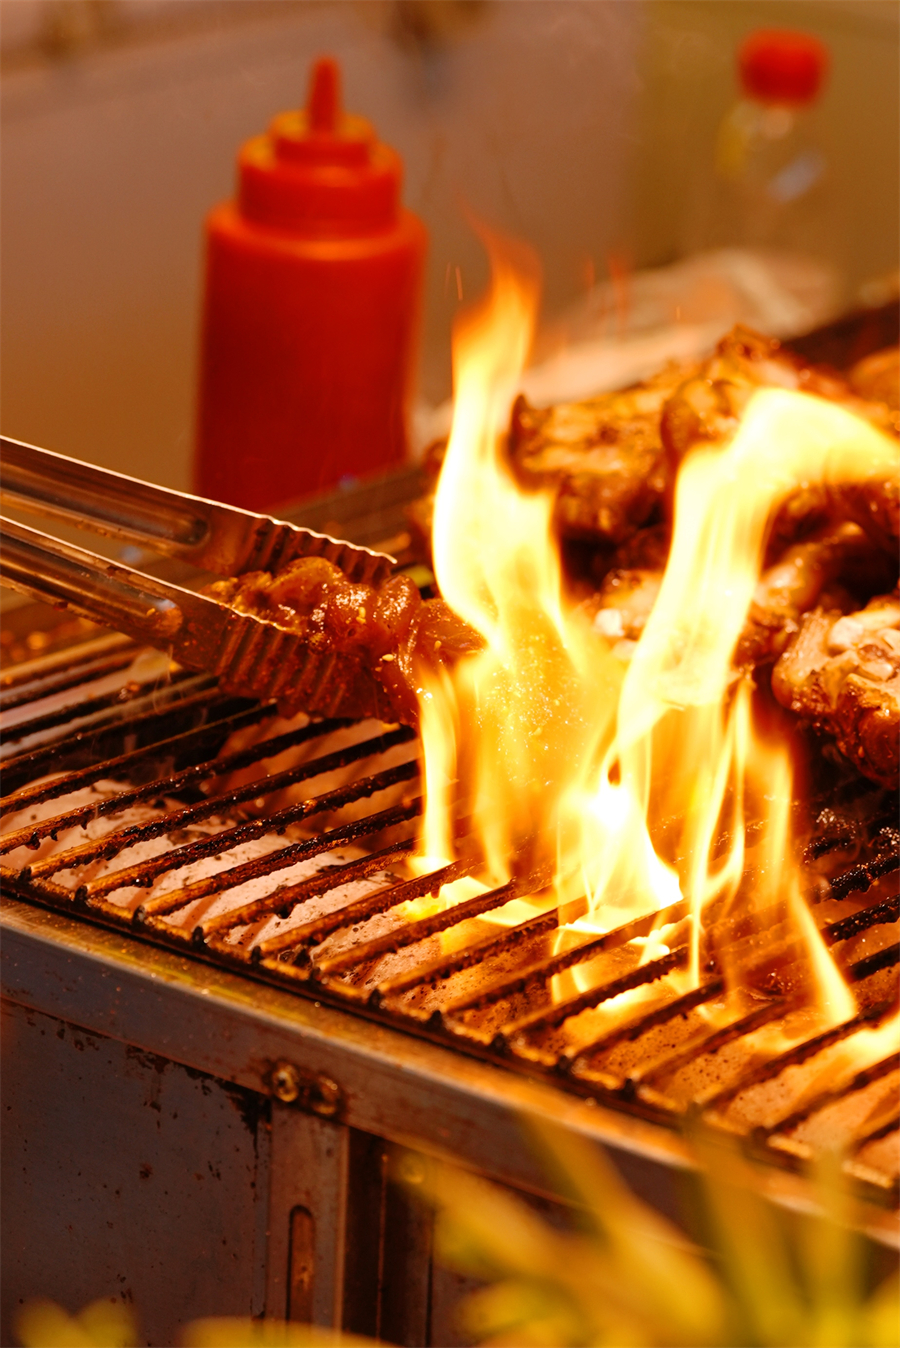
{"points": [[250, 656]]}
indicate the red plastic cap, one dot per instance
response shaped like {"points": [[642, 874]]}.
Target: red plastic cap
{"points": [[778, 65], [318, 170], [323, 107]]}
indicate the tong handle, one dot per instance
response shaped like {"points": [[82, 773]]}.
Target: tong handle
{"points": [[109, 503], [219, 538], [62, 574]]}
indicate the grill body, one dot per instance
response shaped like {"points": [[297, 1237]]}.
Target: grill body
{"points": [[129, 1073], [228, 1027], [206, 1130]]}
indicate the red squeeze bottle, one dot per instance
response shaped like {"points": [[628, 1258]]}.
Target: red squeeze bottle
{"points": [[313, 281]]}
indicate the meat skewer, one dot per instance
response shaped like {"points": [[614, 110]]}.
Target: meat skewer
{"points": [[293, 632], [842, 673]]}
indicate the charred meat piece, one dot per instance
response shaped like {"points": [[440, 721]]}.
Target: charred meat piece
{"points": [[875, 505], [647, 550], [877, 377], [825, 569], [707, 409], [612, 460], [390, 636], [842, 673], [604, 457], [620, 608]]}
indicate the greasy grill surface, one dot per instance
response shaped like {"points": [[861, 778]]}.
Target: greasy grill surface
{"points": [[198, 819]]}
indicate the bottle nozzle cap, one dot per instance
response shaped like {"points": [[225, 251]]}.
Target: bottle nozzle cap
{"points": [[323, 106], [320, 169], [780, 65]]}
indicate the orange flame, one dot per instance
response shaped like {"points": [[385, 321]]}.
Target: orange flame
{"points": [[621, 786]]}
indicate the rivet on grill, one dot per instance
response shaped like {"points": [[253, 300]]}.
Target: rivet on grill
{"points": [[325, 1097], [285, 1082], [311, 1091]]}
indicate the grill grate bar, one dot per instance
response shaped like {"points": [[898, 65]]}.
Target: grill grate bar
{"points": [[93, 740], [44, 667], [858, 878], [884, 912], [858, 1082], [170, 785], [565, 959], [875, 1135], [70, 678], [144, 873], [423, 927], [311, 933], [76, 711], [125, 764], [864, 968], [335, 876], [821, 846], [679, 1006], [289, 896], [288, 856], [113, 843], [797, 1054], [443, 967], [726, 1034], [550, 1017]]}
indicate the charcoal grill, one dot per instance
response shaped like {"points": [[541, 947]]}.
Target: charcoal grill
{"points": [[248, 972], [216, 904], [308, 916]]}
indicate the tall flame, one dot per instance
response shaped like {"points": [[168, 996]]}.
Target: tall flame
{"points": [[618, 787], [544, 689]]}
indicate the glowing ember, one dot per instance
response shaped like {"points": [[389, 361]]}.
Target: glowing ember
{"points": [[620, 786]]}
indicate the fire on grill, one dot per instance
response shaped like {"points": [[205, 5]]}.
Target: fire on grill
{"points": [[626, 853]]}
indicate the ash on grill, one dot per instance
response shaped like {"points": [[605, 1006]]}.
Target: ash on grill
{"points": [[148, 800]]}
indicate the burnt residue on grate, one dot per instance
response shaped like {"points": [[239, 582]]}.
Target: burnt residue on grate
{"points": [[284, 849]]}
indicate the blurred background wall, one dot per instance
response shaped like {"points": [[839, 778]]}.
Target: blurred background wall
{"points": [[585, 126]]}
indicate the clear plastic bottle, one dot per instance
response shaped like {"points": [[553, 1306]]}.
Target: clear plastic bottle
{"points": [[771, 169]]}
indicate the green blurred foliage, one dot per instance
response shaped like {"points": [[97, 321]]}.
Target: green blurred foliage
{"points": [[622, 1277], [102, 1324], [630, 1279]]}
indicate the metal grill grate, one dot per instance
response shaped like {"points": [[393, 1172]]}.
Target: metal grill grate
{"points": [[201, 821]]}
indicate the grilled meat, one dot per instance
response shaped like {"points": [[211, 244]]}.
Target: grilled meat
{"points": [[612, 460], [708, 407], [604, 456], [621, 607], [877, 377], [842, 673], [875, 505], [388, 636], [824, 569]]}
